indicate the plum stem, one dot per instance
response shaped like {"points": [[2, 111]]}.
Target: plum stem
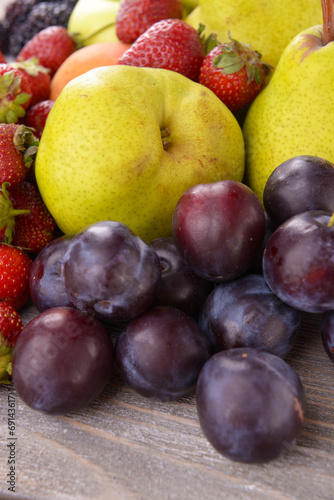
{"points": [[328, 21]]}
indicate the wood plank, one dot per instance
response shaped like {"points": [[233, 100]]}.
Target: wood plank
{"points": [[125, 446]]}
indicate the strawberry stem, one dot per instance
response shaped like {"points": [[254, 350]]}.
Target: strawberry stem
{"points": [[328, 21]]}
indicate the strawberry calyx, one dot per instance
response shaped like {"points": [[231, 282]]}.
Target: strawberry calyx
{"points": [[26, 143], [235, 55], [8, 214], [11, 97], [208, 42], [30, 66]]}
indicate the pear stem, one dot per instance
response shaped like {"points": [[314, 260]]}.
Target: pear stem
{"points": [[164, 134], [328, 21]]}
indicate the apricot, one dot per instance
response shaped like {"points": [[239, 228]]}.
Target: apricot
{"points": [[84, 59]]}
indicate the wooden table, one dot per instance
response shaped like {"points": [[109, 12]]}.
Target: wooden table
{"points": [[125, 447]]}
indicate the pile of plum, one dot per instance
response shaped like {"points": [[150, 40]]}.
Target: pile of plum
{"points": [[215, 308]]}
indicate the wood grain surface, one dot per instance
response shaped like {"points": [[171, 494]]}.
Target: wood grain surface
{"points": [[126, 447]]}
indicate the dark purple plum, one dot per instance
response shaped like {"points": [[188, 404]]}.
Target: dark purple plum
{"points": [[250, 404], [299, 184], [110, 272], [298, 262], [327, 333], [161, 352], [62, 361], [179, 286], [246, 313], [219, 228], [47, 288]]}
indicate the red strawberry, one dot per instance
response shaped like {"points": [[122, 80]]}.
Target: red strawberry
{"points": [[136, 16], [14, 276], [15, 94], [171, 44], [51, 46], [10, 328], [38, 76], [25, 220], [18, 147], [37, 115], [234, 72]]}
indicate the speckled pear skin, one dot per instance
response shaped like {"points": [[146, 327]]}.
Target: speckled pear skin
{"points": [[294, 114], [101, 155], [268, 25]]}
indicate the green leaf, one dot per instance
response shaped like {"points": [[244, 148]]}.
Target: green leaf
{"points": [[18, 110], [11, 116], [15, 87], [250, 68], [258, 75], [201, 29], [208, 42], [228, 63], [22, 98], [8, 78], [211, 42], [29, 156]]}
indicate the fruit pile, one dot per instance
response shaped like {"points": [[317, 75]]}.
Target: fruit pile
{"points": [[161, 234]]}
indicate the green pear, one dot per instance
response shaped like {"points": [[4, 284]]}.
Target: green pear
{"points": [[294, 114], [123, 143], [266, 25], [94, 21]]}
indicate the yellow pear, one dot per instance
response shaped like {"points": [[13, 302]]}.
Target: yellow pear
{"points": [[94, 21], [123, 143], [294, 114], [268, 25]]}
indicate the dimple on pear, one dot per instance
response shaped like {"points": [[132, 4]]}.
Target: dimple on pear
{"points": [[294, 114]]}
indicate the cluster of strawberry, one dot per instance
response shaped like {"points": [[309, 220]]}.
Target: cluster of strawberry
{"points": [[161, 39], [26, 225], [25, 83]]}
